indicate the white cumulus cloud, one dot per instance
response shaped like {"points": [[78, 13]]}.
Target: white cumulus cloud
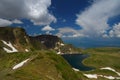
{"points": [[34, 10], [69, 32], [115, 32], [4, 22], [47, 28], [16, 21], [94, 20]]}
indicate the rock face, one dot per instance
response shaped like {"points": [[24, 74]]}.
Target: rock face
{"points": [[19, 39], [16, 36], [49, 41], [54, 43], [34, 59]]}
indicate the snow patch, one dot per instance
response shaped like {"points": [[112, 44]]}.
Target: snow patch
{"points": [[58, 52], [20, 64], [9, 45], [26, 50], [111, 69], [59, 43], [108, 68], [62, 44], [75, 69], [91, 75], [109, 77]]}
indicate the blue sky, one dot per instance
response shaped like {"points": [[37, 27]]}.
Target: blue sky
{"points": [[75, 21]]}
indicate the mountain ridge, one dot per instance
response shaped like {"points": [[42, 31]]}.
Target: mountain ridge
{"points": [[23, 42], [23, 57]]}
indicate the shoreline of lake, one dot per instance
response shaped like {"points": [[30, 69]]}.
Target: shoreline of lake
{"points": [[76, 61]]}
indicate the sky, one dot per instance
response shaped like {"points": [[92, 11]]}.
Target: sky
{"points": [[80, 22]]}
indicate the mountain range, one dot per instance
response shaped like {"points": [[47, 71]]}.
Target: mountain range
{"points": [[24, 57]]}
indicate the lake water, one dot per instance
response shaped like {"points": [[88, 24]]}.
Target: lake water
{"points": [[75, 60]]}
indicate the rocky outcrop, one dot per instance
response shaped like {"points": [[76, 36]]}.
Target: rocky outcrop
{"points": [[19, 39]]}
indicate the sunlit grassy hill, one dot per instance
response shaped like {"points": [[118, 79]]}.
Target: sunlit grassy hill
{"points": [[108, 57], [42, 65], [24, 57], [32, 58]]}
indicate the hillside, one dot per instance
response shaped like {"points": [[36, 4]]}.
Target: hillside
{"points": [[105, 61], [32, 58], [40, 65], [36, 58]]}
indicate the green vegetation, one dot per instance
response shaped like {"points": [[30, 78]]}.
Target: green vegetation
{"points": [[43, 65], [103, 57]]}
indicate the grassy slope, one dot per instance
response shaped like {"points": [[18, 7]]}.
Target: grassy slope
{"points": [[44, 65], [103, 57]]}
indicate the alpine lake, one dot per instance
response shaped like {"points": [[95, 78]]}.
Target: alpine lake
{"points": [[75, 60]]}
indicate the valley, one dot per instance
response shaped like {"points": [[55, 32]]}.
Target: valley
{"points": [[24, 57]]}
